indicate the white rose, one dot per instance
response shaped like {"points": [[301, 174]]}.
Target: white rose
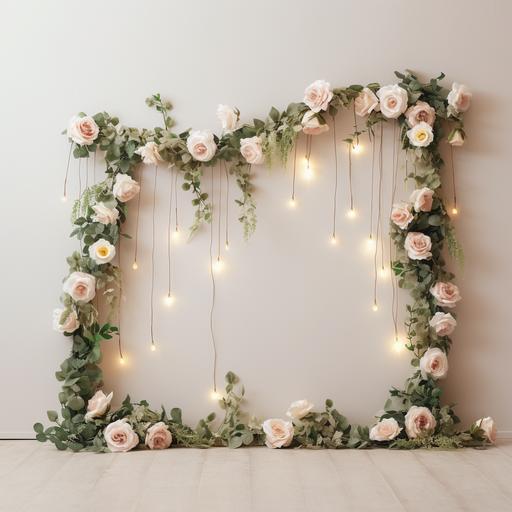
{"points": [[251, 150], [125, 188], [102, 251], [149, 153], [419, 422], [366, 102], [443, 323], [421, 112], [158, 437], [98, 405], [278, 433], [459, 98], [446, 294], [318, 95], [81, 287], [201, 145], [70, 323], [311, 124], [434, 363], [83, 130], [393, 100], [385, 430], [103, 214], [401, 215], [420, 135], [421, 199], [489, 427], [456, 138], [418, 246], [120, 436], [228, 117], [299, 409]]}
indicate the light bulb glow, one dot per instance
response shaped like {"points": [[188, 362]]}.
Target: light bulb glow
{"points": [[357, 148], [218, 265], [176, 234], [455, 211], [121, 360], [375, 307], [153, 347], [292, 203], [308, 170], [334, 240], [383, 272], [398, 346], [351, 214], [64, 198], [226, 246], [214, 395], [135, 266], [169, 299]]}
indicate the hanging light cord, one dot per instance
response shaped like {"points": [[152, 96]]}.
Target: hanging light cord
{"points": [[138, 217], [227, 204], [219, 222], [453, 178], [169, 240], [335, 197], [152, 298], [372, 140], [394, 305], [212, 307], [350, 177], [294, 168], [67, 172], [119, 342]]}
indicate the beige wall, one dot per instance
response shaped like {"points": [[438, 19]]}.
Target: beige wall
{"points": [[293, 313]]}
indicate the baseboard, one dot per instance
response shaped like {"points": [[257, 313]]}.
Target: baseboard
{"points": [[504, 434]]}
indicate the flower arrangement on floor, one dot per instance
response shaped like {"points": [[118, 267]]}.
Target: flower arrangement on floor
{"points": [[412, 417]]}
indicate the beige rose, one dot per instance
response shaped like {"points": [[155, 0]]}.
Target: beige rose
{"points": [[69, 324], [102, 251], [251, 150], [120, 436], [456, 138], [393, 101], [278, 433], [311, 124], [489, 427], [228, 117], [201, 145], [422, 199], [149, 153], [420, 135], [98, 405], [418, 246], [385, 430], [80, 286], [446, 294], [419, 422], [443, 323], [125, 188], [318, 95], [83, 130], [401, 215], [299, 409], [421, 112], [158, 437], [103, 214], [366, 102], [434, 363], [459, 98]]}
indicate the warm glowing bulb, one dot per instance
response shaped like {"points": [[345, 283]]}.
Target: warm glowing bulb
{"points": [[375, 307], [292, 203], [153, 347], [121, 360], [357, 147], [455, 211], [176, 234], [308, 171], [64, 198], [135, 266], [218, 265], [169, 299], [383, 272], [226, 246], [214, 395], [334, 240], [351, 214], [397, 345]]}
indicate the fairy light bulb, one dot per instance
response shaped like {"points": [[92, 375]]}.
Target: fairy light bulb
{"points": [[64, 198], [370, 244], [357, 147], [176, 234], [375, 307], [351, 214], [308, 171], [153, 347], [214, 395], [455, 211], [226, 246], [121, 360], [383, 272], [334, 240], [218, 265], [169, 300], [135, 266], [397, 345], [292, 203]]}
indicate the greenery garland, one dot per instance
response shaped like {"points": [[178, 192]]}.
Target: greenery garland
{"points": [[413, 416]]}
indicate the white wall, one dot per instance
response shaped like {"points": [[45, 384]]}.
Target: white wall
{"points": [[293, 314]]}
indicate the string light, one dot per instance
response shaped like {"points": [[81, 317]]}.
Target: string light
{"points": [[226, 246], [292, 203], [169, 300], [334, 240], [352, 214], [64, 199], [215, 395], [176, 234], [375, 307], [370, 244], [308, 171], [218, 265], [65, 188], [357, 147], [455, 211], [398, 346], [121, 360], [135, 266], [383, 272], [226, 237], [153, 347], [152, 293], [335, 194]]}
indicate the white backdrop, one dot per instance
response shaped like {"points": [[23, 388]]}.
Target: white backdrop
{"points": [[293, 315]]}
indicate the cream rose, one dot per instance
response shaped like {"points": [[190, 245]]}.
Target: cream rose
{"points": [[385, 430], [251, 150], [318, 95], [366, 102], [125, 188], [393, 100], [201, 145], [443, 323], [446, 294], [120, 436], [311, 125], [418, 246], [422, 199], [419, 422], [83, 130], [158, 437], [434, 363], [299, 409], [81, 287], [420, 135], [70, 323], [228, 117], [149, 153], [102, 251], [456, 138], [401, 215], [489, 427], [278, 433], [459, 98], [98, 405], [421, 112], [103, 214]]}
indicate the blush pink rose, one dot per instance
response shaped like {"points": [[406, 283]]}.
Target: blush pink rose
{"points": [[446, 294], [418, 246], [158, 437], [120, 436], [385, 430], [489, 427], [311, 125], [80, 286], [318, 95], [419, 422], [125, 188], [422, 199], [443, 323], [434, 363], [366, 102], [401, 215], [459, 98], [83, 130], [278, 433], [420, 112]]}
